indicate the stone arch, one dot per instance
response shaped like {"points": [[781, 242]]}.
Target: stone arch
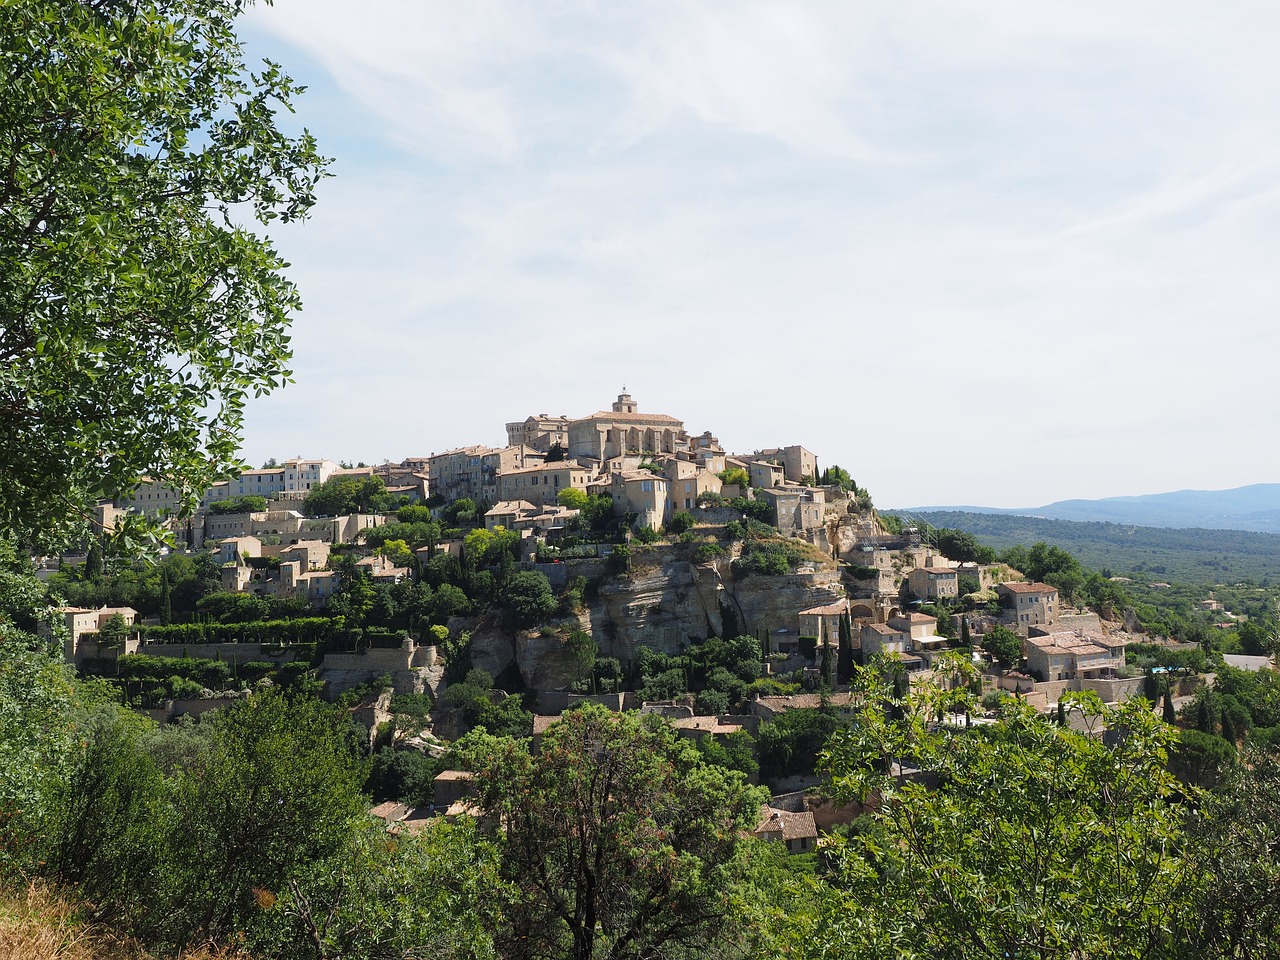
{"points": [[861, 611]]}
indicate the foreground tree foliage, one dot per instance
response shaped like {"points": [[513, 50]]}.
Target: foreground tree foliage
{"points": [[617, 839], [136, 315], [1022, 839], [271, 792]]}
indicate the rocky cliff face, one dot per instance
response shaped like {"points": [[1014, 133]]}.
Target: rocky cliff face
{"points": [[667, 604]]}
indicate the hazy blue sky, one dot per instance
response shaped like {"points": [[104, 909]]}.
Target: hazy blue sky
{"points": [[976, 252]]}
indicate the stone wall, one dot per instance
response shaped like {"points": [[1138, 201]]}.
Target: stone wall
{"points": [[1112, 691], [1086, 622], [552, 703], [238, 652]]}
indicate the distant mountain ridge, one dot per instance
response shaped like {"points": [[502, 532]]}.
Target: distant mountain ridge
{"points": [[1255, 508]]}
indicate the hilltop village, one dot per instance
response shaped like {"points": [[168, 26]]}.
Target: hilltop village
{"points": [[613, 558]]}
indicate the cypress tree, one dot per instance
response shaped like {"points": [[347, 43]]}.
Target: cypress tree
{"points": [[1169, 714], [93, 565], [844, 661], [166, 600]]}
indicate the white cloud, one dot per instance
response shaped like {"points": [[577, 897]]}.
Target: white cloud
{"points": [[948, 245]]}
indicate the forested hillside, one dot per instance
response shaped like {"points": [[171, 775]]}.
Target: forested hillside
{"points": [[1189, 555]]}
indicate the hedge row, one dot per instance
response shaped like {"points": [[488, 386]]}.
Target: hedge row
{"points": [[298, 630]]}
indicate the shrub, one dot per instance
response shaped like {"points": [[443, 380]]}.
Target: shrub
{"points": [[647, 534], [681, 522]]}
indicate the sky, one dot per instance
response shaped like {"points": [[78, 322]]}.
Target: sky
{"points": [[976, 252]]}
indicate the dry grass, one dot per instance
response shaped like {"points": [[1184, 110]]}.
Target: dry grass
{"points": [[39, 923]]}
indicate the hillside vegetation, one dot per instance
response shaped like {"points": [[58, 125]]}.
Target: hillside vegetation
{"points": [[1188, 555]]}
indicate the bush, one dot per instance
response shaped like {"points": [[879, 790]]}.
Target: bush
{"points": [[647, 535], [529, 599], [681, 522], [708, 551], [619, 560]]}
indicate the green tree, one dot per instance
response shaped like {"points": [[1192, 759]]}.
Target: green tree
{"points": [[837, 476], [681, 522], [277, 793], [463, 512], [239, 505], [434, 893], [137, 312], [617, 838], [529, 599], [1201, 759], [572, 498], [37, 732], [166, 598], [226, 607], [345, 494], [582, 651], [1236, 833], [961, 546], [791, 743], [114, 631], [397, 552], [1029, 839], [1003, 644]]}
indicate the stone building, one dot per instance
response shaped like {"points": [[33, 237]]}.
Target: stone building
{"points": [[541, 484], [1033, 604], [934, 583], [623, 430], [540, 433], [474, 471]]}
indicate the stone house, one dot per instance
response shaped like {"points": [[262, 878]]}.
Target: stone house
{"points": [[880, 638], [798, 510], [824, 622], [310, 554], [540, 433], [1073, 656], [920, 630], [232, 549], [314, 586], [934, 583], [541, 484], [83, 623], [474, 471], [686, 481], [797, 462], [1033, 604], [642, 493], [382, 570], [764, 474], [766, 708], [797, 831], [505, 513]]}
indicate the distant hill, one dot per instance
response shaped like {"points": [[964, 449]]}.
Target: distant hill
{"points": [[1185, 555], [1255, 507]]}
